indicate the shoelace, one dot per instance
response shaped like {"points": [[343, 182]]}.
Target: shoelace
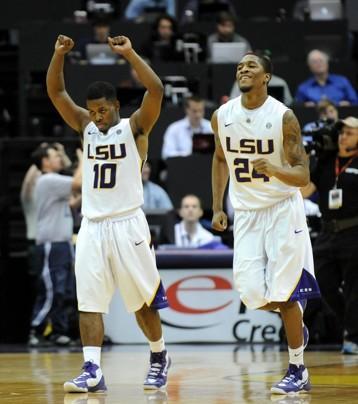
{"points": [[290, 377], [88, 371], [155, 364]]}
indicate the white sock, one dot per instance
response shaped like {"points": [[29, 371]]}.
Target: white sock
{"points": [[296, 355], [92, 354], [157, 346]]}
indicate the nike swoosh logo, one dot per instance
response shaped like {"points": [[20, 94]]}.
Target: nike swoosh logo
{"points": [[228, 124], [297, 354], [139, 242], [298, 231]]}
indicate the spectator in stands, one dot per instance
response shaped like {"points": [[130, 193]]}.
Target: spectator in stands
{"points": [[225, 32], [324, 85], [137, 9], [54, 251], [100, 33], [28, 201], [162, 45], [191, 11], [327, 115], [178, 138], [189, 232], [155, 196]]}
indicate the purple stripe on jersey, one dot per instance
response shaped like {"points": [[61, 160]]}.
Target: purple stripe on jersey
{"points": [[307, 288], [160, 300]]}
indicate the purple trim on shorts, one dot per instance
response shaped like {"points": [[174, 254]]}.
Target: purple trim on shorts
{"points": [[160, 300], [307, 288]]}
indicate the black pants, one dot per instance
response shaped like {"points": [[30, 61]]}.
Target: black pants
{"points": [[336, 268], [55, 284]]}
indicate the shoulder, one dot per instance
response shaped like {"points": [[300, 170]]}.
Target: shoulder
{"points": [[177, 124], [307, 83], [338, 78]]}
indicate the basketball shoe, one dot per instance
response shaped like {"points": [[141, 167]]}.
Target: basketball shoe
{"points": [[91, 380], [295, 381], [158, 371]]}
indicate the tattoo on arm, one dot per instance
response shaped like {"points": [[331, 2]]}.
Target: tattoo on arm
{"points": [[292, 142]]}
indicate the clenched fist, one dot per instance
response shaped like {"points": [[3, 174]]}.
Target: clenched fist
{"points": [[63, 44], [120, 44], [219, 221]]}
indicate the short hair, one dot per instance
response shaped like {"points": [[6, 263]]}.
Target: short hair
{"points": [[194, 98], [40, 153], [324, 104], [101, 89], [264, 60], [191, 196], [224, 16]]}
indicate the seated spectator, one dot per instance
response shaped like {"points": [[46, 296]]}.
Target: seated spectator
{"points": [[141, 10], [324, 85], [178, 138], [189, 232], [100, 33], [191, 11], [327, 115], [162, 46], [225, 32], [155, 197]]}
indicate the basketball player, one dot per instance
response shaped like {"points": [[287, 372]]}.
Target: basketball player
{"points": [[258, 145], [113, 247]]}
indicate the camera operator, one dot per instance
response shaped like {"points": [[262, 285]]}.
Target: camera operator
{"points": [[335, 177]]}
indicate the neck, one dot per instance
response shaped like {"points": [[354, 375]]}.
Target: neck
{"points": [[345, 153], [190, 227], [252, 100], [321, 77]]}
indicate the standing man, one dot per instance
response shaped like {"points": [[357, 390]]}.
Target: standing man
{"points": [[113, 245], [54, 250], [335, 249], [258, 144]]}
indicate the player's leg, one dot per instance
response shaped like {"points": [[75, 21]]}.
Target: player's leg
{"points": [[290, 279], [139, 283], [94, 284]]}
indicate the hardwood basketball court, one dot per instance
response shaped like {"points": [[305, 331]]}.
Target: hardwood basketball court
{"points": [[207, 374]]}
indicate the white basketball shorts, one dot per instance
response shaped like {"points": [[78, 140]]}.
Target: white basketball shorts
{"points": [[115, 253], [273, 254]]}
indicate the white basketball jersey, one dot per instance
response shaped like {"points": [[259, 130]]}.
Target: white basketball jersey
{"points": [[111, 172], [246, 135]]}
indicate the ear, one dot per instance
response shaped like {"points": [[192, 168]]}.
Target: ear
{"points": [[268, 77], [117, 104]]}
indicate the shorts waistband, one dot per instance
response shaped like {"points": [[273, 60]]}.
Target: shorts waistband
{"points": [[116, 218]]}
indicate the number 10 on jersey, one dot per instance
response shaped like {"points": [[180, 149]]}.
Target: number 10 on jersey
{"points": [[104, 175]]}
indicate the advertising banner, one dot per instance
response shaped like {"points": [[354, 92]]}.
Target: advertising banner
{"points": [[204, 307]]}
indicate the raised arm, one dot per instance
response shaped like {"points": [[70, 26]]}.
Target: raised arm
{"points": [[145, 117], [219, 178], [298, 174], [72, 114]]}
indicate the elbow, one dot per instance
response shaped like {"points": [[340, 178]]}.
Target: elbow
{"points": [[304, 181]]}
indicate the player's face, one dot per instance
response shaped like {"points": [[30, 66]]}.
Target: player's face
{"points": [[103, 113], [348, 138], [190, 210], [250, 74]]}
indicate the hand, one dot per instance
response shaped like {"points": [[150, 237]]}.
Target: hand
{"points": [[219, 221], [263, 166], [63, 45], [59, 147], [120, 44]]}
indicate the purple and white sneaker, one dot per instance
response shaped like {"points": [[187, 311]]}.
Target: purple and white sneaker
{"points": [[91, 380], [295, 381], [158, 371]]}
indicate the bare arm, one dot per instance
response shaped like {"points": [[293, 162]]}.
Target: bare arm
{"points": [[145, 117], [219, 179], [308, 190], [28, 183], [73, 115], [297, 174]]}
